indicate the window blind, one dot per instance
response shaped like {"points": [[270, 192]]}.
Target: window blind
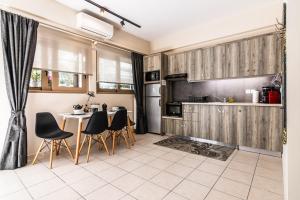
{"points": [[58, 51], [113, 65]]}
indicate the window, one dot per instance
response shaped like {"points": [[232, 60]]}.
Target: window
{"points": [[61, 64], [114, 71]]}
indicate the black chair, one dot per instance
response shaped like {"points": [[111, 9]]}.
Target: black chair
{"points": [[117, 126], [47, 128], [97, 124]]}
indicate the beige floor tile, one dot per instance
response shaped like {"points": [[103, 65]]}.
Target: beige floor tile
{"points": [[9, 178], [131, 154], [216, 195], [189, 162], [130, 165], [88, 185], [75, 175], [268, 173], [211, 168], [97, 166], [112, 174], [270, 158], [166, 180], [160, 163], [127, 197], [179, 170], [171, 157], [217, 162], [46, 187], [107, 192], [242, 167], [245, 160], [268, 184], [149, 191], [156, 152], [144, 158], [128, 183], [203, 178], [116, 160], [191, 190], [238, 176], [64, 193], [270, 165], [146, 172], [258, 194], [174, 196], [233, 188], [22, 194]]}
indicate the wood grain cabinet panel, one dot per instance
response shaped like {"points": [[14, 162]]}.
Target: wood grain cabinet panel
{"points": [[190, 65], [152, 62], [199, 70], [272, 54], [219, 62], [177, 63], [232, 59], [172, 126], [208, 63]]}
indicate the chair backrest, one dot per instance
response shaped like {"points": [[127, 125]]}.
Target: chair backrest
{"points": [[97, 123], [45, 123], [120, 120]]}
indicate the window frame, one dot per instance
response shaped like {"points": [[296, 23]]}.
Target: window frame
{"points": [[111, 91], [54, 88]]}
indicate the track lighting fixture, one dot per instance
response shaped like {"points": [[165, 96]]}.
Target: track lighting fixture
{"points": [[122, 23], [103, 9]]}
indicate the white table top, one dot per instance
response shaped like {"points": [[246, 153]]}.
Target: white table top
{"points": [[86, 115]]}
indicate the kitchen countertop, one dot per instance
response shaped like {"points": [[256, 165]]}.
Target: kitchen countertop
{"points": [[235, 104]]}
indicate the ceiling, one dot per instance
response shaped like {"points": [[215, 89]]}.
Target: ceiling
{"points": [[159, 18]]}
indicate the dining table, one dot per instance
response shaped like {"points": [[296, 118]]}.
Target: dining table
{"points": [[81, 118]]}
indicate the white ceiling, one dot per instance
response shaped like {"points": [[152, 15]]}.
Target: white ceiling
{"points": [[159, 18]]}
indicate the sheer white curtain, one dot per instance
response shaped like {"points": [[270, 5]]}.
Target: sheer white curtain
{"points": [[113, 65], [58, 51]]}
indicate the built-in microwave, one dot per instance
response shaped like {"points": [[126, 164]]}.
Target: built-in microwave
{"points": [[174, 109], [152, 76]]}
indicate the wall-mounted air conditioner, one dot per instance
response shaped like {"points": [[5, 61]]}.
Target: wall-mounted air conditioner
{"points": [[94, 26]]}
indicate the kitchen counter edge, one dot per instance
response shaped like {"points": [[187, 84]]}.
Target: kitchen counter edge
{"points": [[234, 104]]}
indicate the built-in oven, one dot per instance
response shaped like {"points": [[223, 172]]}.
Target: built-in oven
{"points": [[174, 109], [152, 76]]}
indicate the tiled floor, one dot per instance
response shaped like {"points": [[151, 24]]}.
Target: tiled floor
{"points": [[147, 172]]}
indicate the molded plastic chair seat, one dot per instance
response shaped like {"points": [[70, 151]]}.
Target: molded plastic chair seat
{"points": [[57, 135]]}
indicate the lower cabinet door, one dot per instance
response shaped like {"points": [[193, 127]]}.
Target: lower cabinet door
{"points": [[172, 126], [215, 115]]}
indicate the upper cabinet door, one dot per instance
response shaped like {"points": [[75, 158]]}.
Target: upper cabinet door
{"points": [[256, 60], [244, 57], [180, 63], [146, 63], [272, 54], [171, 64], [219, 61], [232, 59], [199, 67], [208, 63], [156, 62], [190, 65]]}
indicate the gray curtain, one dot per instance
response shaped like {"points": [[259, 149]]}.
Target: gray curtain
{"points": [[18, 36], [138, 81]]}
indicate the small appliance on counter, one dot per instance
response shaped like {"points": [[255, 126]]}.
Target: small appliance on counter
{"points": [[152, 76], [174, 109], [77, 109], [270, 95], [95, 107]]}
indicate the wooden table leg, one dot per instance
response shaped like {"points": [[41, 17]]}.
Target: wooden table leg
{"points": [[78, 141], [62, 127]]}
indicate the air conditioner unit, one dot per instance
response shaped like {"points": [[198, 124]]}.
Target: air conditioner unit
{"points": [[94, 26]]}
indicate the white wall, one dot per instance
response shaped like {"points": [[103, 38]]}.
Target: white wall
{"points": [[237, 23], [293, 98]]}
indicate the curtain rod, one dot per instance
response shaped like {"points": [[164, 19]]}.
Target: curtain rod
{"points": [[56, 26]]}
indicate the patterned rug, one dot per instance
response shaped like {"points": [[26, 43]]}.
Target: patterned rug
{"points": [[204, 149]]}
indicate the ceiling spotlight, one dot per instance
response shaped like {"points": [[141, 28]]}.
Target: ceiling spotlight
{"points": [[102, 12], [122, 23]]}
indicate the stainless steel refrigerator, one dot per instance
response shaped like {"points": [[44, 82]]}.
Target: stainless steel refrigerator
{"points": [[153, 108]]}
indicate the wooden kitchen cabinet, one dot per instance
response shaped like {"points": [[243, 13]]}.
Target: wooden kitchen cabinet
{"points": [[219, 63], [251, 126], [177, 63], [172, 126], [152, 62], [190, 65], [208, 68], [232, 60], [262, 129]]}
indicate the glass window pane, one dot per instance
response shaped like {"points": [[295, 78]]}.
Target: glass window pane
{"points": [[107, 70], [36, 78], [108, 86], [126, 86], [69, 80]]}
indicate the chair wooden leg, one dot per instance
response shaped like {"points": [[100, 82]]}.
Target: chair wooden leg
{"points": [[57, 147], [130, 137], [82, 143], [51, 154], [104, 143], [113, 142], [89, 149], [68, 148], [38, 151], [125, 138]]}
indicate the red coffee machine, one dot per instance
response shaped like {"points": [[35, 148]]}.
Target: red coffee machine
{"points": [[274, 96]]}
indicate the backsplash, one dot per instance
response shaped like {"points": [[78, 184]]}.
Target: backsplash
{"points": [[219, 88]]}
